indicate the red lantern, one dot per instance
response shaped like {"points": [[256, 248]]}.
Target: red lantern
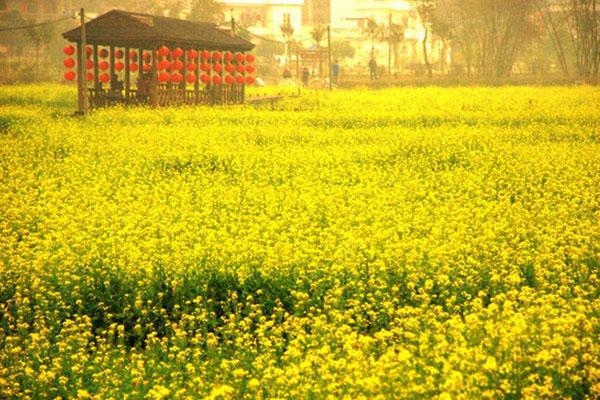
{"points": [[147, 67], [191, 78], [250, 58], [90, 76], [147, 57], [239, 79], [177, 52], [69, 50], [164, 77], [69, 63], [217, 55], [177, 65], [205, 54], [205, 78], [89, 51], [228, 57], [103, 65], [229, 79], [164, 64], [104, 78], [103, 53], [205, 67], [216, 80], [218, 67], [240, 69], [70, 75], [133, 56], [249, 80], [133, 67], [119, 66], [192, 67], [192, 54], [163, 51], [239, 57], [230, 68], [176, 78], [119, 54], [250, 69], [89, 64]]}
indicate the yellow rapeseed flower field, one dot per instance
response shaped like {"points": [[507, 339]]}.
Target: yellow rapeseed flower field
{"points": [[417, 243]]}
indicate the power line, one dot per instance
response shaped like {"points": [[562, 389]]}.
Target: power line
{"points": [[17, 28]]}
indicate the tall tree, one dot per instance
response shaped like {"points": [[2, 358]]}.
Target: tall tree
{"points": [[206, 11], [426, 10]]}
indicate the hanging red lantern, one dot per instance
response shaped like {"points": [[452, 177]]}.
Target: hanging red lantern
{"points": [[104, 78], [216, 80], [176, 78], [250, 69], [192, 67], [239, 57], [164, 77], [119, 66], [133, 67], [230, 68], [177, 52], [218, 68], [250, 58], [164, 64], [89, 64], [177, 65], [147, 57], [229, 57], [205, 54], [190, 78], [103, 53], [205, 67], [205, 78], [70, 75], [239, 79], [133, 55], [103, 65], [217, 55], [69, 63], [240, 69], [147, 67], [118, 54], [163, 51], [90, 76], [229, 80], [249, 80], [69, 50], [89, 51], [192, 54]]}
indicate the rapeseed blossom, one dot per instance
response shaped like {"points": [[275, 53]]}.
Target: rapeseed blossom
{"points": [[397, 244]]}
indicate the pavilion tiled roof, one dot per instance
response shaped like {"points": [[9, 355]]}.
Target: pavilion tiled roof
{"points": [[128, 29]]}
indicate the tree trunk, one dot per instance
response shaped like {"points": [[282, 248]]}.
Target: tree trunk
{"points": [[425, 54]]}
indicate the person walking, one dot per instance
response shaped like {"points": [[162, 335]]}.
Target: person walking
{"points": [[335, 71], [373, 68], [305, 76]]}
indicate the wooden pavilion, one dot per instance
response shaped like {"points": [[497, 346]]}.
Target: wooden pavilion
{"points": [[159, 59]]}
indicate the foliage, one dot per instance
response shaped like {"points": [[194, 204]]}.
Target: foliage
{"points": [[407, 243]]}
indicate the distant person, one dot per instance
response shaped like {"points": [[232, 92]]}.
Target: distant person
{"points": [[305, 76], [335, 71], [144, 85], [287, 74], [373, 68]]}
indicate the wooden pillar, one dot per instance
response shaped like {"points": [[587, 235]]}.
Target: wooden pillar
{"points": [[96, 70], [83, 105], [197, 82], [127, 75], [154, 86], [112, 63], [184, 74]]}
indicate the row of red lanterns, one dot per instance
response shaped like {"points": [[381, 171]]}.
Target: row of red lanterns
{"points": [[164, 65], [165, 77], [69, 50]]}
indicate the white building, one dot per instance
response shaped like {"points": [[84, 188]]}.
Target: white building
{"points": [[265, 17]]}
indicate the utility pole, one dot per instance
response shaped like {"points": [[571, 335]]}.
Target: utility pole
{"points": [[329, 55], [390, 44], [82, 91]]}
